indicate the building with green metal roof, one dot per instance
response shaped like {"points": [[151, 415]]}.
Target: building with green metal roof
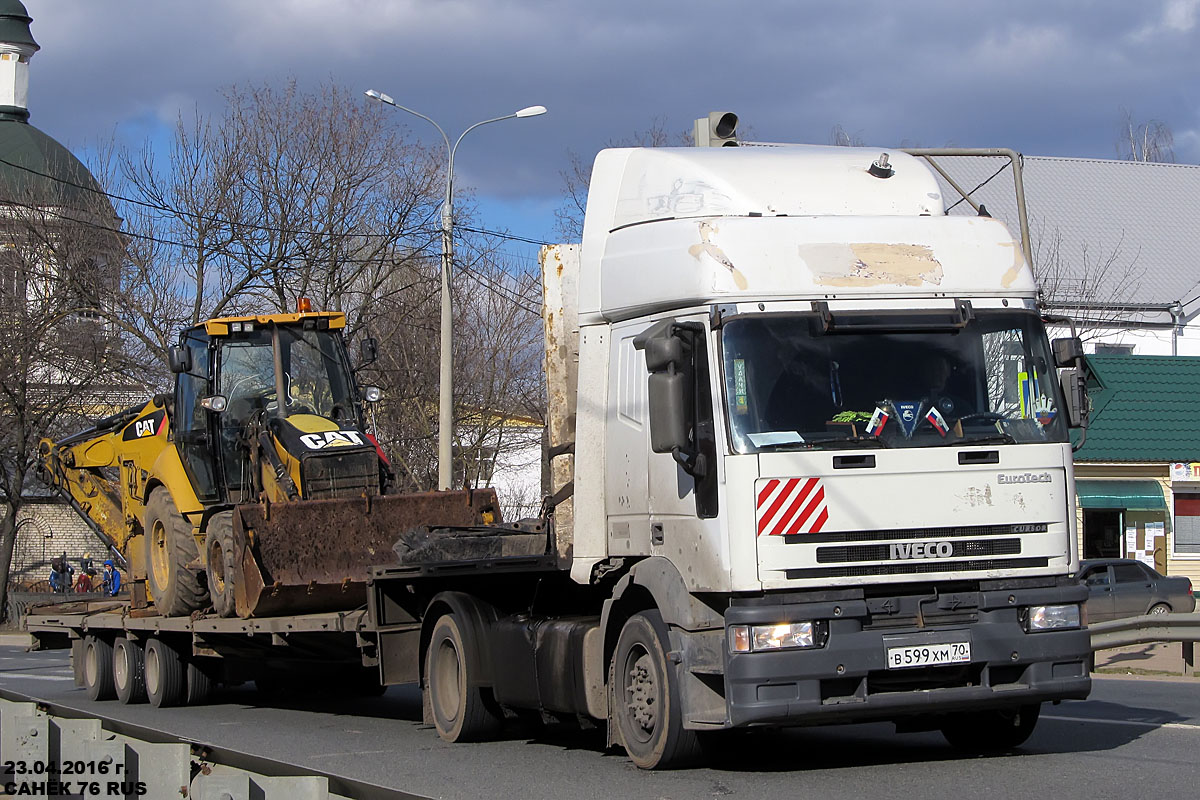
{"points": [[1138, 471]]}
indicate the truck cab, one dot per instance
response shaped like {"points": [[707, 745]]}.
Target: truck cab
{"points": [[823, 422]]}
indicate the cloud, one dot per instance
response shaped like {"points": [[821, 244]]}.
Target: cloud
{"points": [[1178, 16]]}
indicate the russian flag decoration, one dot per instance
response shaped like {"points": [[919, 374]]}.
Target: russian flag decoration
{"points": [[878, 420], [937, 421]]}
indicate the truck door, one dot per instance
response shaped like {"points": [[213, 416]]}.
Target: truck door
{"points": [[192, 424]]}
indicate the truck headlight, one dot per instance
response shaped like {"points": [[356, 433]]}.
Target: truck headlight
{"points": [[784, 636], [1049, 618]]}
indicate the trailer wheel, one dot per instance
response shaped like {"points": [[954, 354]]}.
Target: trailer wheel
{"points": [[129, 671], [461, 713], [166, 675], [200, 685], [98, 668], [170, 547], [221, 567], [991, 731], [645, 697]]}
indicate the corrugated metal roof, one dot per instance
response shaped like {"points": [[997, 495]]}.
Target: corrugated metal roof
{"points": [[1144, 408], [1146, 216]]}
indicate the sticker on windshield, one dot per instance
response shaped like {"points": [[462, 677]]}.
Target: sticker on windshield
{"points": [[740, 404], [1044, 411], [878, 420], [907, 413], [937, 421]]}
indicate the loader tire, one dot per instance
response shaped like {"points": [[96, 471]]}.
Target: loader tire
{"points": [[222, 568], [170, 547]]}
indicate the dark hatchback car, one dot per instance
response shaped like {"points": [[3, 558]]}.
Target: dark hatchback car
{"points": [[1122, 587]]}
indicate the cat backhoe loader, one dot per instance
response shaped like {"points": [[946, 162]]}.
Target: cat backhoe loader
{"points": [[254, 487]]}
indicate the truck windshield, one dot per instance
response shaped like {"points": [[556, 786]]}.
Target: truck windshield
{"points": [[791, 385]]}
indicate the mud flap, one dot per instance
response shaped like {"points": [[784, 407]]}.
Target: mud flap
{"points": [[313, 555]]}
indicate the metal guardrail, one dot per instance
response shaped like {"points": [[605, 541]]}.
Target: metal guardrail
{"points": [[1183, 628], [104, 757]]}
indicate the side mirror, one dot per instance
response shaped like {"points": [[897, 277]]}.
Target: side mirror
{"points": [[667, 345], [180, 359], [1074, 387], [1068, 352], [368, 351], [668, 412]]}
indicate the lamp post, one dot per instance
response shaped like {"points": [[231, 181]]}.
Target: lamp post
{"points": [[446, 378]]}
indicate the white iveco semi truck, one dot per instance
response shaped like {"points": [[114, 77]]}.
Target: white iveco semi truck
{"points": [[810, 463]]}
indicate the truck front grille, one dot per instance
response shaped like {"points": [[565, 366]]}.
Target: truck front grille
{"points": [[917, 566], [883, 552], [889, 534]]}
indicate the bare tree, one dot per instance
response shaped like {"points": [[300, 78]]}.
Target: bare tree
{"points": [[58, 360], [1150, 141], [1089, 286], [840, 137], [578, 175]]}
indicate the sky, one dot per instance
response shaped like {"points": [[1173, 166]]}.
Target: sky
{"points": [[1044, 78]]}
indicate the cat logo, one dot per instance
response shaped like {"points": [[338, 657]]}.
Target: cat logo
{"points": [[145, 427], [318, 441]]}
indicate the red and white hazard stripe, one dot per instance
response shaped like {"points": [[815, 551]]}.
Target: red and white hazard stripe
{"points": [[791, 505]]}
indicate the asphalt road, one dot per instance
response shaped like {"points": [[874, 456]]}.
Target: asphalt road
{"points": [[1134, 738]]}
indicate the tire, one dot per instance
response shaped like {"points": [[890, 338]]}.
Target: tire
{"points": [[645, 697], [166, 675], [461, 711], [1159, 608], [221, 567], [170, 547], [98, 668], [200, 685], [991, 731], [129, 671]]}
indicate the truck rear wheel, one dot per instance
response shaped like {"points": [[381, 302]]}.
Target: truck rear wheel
{"points": [[166, 675], [221, 567], [645, 697], [991, 731], [200, 684], [461, 713], [98, 668], [129, 671], [170, 547]]}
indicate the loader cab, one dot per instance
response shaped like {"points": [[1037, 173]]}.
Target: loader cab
{"points": [[283, 376]]}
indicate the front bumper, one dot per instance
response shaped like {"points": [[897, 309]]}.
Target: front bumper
{"points": [[847, 680]]}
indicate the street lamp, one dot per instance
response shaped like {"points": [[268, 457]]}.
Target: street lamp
{"points": [[446, 379]]}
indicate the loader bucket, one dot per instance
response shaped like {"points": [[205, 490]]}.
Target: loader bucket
{"points": [[313, 556]]}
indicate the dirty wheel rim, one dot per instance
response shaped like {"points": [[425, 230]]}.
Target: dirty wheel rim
{"points": [[217, 567], [641, 688], [152, 670], [120, 666], [91, 666], [447, 677], [1159, 609], [158, 552]]}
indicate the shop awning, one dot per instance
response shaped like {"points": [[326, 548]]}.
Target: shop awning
{"points": [[1130, 495]]}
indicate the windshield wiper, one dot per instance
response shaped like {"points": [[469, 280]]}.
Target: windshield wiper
{"points": [[862, 441], [988, 438]]}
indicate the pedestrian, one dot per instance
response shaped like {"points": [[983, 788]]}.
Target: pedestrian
{"points": [[112, 579], [61, 575], [84, 582]]}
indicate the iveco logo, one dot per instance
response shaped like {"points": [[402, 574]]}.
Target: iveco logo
{"points": [[922, 550], [1025, 477]]}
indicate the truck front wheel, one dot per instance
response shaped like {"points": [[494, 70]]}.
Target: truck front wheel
{"points": [[461, 712], [170, 547], [645, 697], [991, 731]]}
